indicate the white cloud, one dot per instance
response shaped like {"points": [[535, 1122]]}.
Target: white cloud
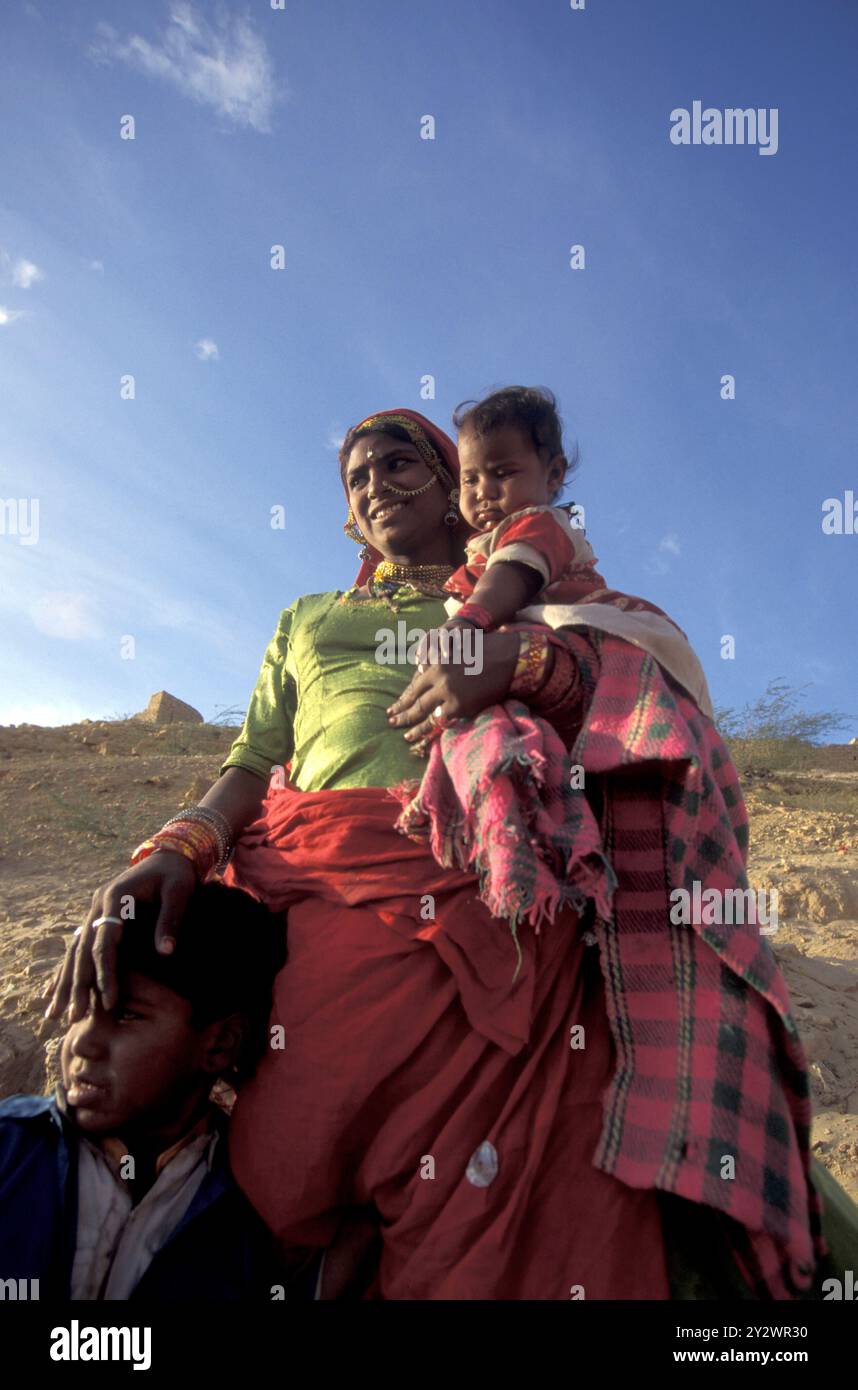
{"points": [[25, 274], [668, 545], [96, 265], [48, 716], [225, 65], [335, 439], [207, 351], [9, 315], [66, 615]]}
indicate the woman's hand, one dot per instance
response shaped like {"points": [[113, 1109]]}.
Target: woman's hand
{"points": [[439, 643], [456, 691], [90, 960]]}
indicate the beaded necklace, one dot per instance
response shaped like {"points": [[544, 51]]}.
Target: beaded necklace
{"points": [[418, 576]]}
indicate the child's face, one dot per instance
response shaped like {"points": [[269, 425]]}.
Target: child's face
{"points": [[501, 472], [137, 1066]]}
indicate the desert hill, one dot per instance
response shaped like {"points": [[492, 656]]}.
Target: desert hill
{"points": [[74, 801]]}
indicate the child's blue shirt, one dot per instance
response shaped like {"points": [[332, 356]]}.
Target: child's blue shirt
{"points": [[220, 1251]]}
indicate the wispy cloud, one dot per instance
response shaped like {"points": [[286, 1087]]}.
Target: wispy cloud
{"points": [[25, 274], [97, 265], [224, 64], [66, 615], [104, 599], [21, 273], [46, 715], [658, 563], [207, 350], [335, 439], [9, 315]]}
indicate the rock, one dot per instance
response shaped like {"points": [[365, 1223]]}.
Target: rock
{"points": [[836, 977], [47, 946], [166, 709], [824, 1084]]}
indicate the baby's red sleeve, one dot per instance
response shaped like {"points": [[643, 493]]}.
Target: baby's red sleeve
{"points": [[539, 540]]}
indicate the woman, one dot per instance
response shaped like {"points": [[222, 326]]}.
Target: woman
{"points": [[561, 1136]]}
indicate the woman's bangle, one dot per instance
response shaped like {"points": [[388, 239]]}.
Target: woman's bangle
{"points": [[564, 676], [531, 665], [476, 614], [202, 856], [203, 836], [207, 816], [202, 863]]}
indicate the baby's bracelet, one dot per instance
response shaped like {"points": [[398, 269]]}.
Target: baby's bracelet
{"points": [[529, 672], [477, 614]]}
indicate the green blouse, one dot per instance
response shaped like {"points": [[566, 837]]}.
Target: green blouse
{"points": [[329, 673]]}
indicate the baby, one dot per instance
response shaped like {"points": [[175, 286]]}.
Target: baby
{"points": [[525, 547], [497, 794]]}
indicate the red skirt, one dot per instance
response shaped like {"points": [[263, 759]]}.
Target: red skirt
{"points": [[416, 1078]]}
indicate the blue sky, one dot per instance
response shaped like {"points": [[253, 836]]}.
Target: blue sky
{"points": [[407, 257]]}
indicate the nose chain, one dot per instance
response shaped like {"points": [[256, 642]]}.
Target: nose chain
{"points": [[409, 491]]}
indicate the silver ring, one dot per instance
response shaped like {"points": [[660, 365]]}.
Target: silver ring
{"points": [[118, 920]]}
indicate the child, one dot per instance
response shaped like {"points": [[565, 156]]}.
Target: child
{"points": [[119, 1186], [525, 547], [498, 795]]}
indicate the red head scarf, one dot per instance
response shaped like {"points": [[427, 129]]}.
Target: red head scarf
{"points": [[422, 432]]}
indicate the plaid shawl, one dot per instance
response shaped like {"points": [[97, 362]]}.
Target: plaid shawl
{"points": [[709, 1061], [497, 797]]}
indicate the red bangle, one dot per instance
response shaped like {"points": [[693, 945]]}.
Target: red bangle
{"points": [[529, 673], [478, 615], [563, 676]]}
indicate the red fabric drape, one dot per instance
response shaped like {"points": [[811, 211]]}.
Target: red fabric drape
{"points": [[407, 1048]]}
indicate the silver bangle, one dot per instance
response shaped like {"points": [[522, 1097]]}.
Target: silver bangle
{"points": [[219, 823]]}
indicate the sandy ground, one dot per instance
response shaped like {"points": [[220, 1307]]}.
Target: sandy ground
{"points": [[74, 801]]}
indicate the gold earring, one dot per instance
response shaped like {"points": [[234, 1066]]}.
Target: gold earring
{"points": [[451, 516], [352, 530]]}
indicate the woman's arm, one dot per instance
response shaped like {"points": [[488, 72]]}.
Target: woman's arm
{"points": [[238, 795], [166, 877], [571, 674]]}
